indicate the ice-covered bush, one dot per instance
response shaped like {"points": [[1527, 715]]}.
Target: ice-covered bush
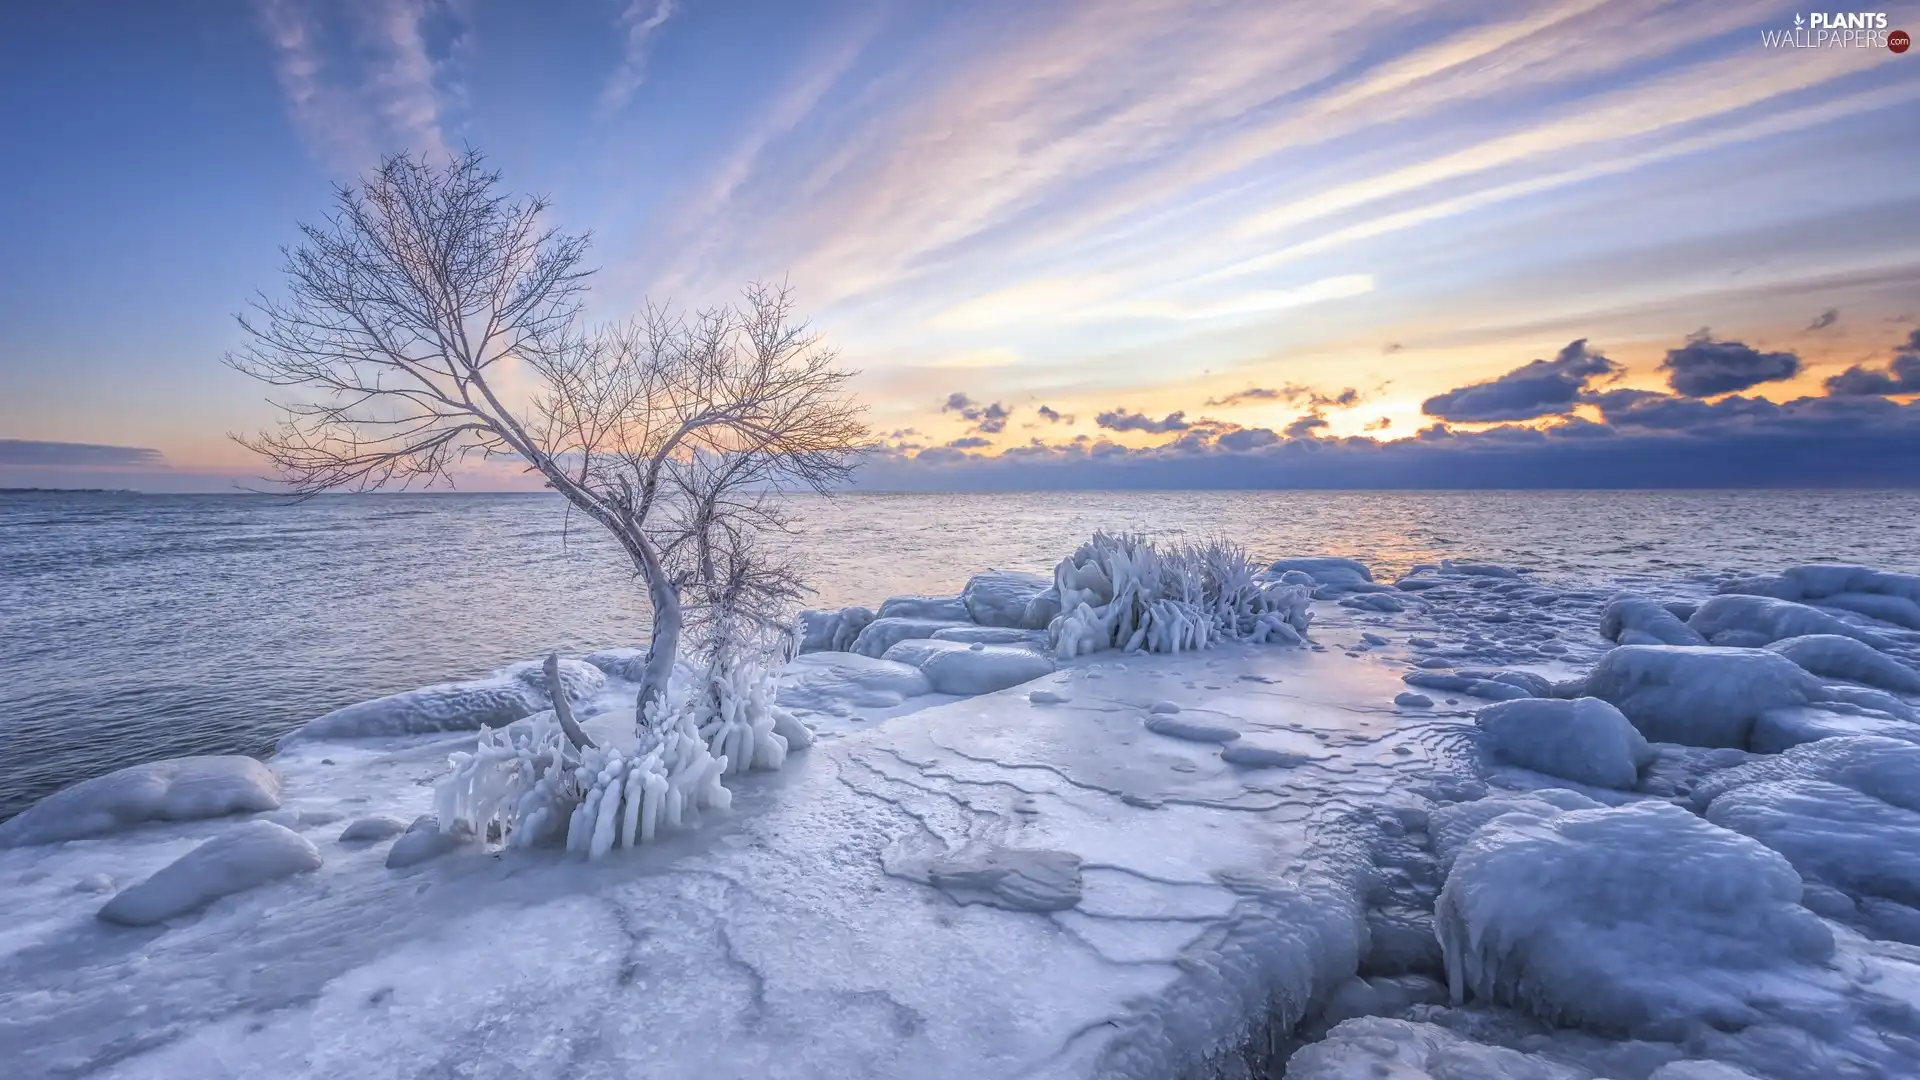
{"points": [[1125, 592], [535, 783]]}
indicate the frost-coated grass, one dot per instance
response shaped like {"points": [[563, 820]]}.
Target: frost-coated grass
{"points": [[1125, 592]]}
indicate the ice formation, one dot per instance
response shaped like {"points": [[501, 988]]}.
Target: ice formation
{"points": [[1123, 592], [1372, 1048], [1741, 620], [1839, 657], [241, 858], [177, 789], [950, 609], [1641, 919], [882, 634], [954, 667], [1846, 813], [1636, 620], [1008, 598], [1705, 696], [1585, 740], [517, 692], [1194, 857], [833, 631]]}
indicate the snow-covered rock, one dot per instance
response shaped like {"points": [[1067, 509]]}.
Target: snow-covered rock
{"points": [[954, 667], [1584, 740], [1010, 598], [832, 631], [1375, 1048], [1636, 620], [1837, 656], [1732, 619], [242, 858], [1641, 919], [177, 789], [882, 634], [1698, 696], [938, 608]]}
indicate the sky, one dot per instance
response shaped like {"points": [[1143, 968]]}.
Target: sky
{"points": [[1241, 243]]}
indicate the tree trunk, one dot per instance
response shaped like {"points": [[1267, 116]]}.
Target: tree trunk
{"points": [[664, 647]]}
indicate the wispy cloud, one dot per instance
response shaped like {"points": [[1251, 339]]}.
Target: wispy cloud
{"points": [[370, 81], [642, 20]]}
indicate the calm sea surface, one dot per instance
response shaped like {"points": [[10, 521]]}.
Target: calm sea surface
{"points": [[135, 627]]}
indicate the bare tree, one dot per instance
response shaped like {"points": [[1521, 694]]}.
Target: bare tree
{"points": [[418, 314]]}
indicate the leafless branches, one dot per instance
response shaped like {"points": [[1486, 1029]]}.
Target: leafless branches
{"points": [[414, 319]]}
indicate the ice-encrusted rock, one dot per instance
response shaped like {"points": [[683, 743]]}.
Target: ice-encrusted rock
{"points": [[1823, 581], [176, 789], [1707, 696], [621, 663], [1635, 620], [940, 608], [1189, 729], [1791, 725], [1325, 569], [1375, 1047], [824, 682], [579, 679], [467, 706], [832, 631], [372, 829], [1584, 740], [1700, 1069], [993, 635], [1837, 656], [1641, 919], [1410, 700], [1011, 598], [1458, 683], [1844, 811], [954, 667], [424, 840], [242, 858], [1452, 824], [882, 634], [1732, 619], [1016, 879]]}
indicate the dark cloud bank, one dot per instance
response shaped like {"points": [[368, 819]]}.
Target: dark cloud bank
{"points": [[1690, 438]]}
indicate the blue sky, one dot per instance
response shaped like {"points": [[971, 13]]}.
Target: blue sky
{"points": [[1234, 211]]}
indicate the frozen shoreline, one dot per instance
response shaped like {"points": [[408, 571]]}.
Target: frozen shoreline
{"points": [[1122, 868]]}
